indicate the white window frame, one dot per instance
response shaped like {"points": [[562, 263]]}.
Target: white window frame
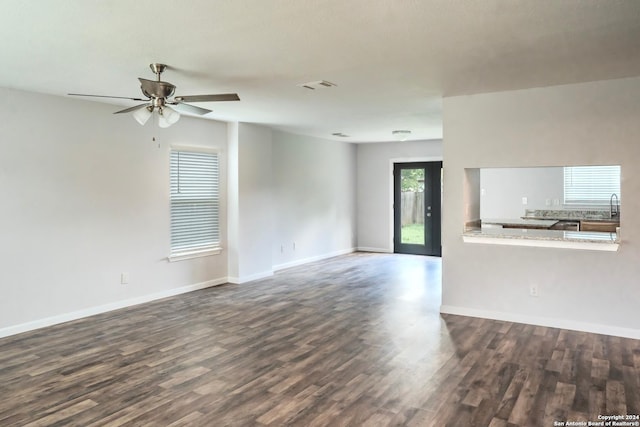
{"points": [[196, 249], [591, 185]]}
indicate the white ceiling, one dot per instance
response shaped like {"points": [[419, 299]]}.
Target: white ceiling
{"points": [[392, 60]]}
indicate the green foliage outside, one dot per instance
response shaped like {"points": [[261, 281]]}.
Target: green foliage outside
{"points": [[412, 180], [413, 234]]}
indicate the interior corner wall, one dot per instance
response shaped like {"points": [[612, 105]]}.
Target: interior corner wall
{"points": [[314, 183], [580, 124], [86, 198], [374, 187]]}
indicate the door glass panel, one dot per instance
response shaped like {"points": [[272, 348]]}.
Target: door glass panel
{"points": [[412, 206]]}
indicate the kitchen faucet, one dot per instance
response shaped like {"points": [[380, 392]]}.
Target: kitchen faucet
{"points": [[617, 205]]}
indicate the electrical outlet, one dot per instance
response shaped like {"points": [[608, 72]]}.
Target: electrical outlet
{"points": [[533, 291], [547, 202], [525, 201], [124, 278]]}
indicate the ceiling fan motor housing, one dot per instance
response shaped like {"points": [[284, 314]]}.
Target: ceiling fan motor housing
{"points": [[153, 89]]}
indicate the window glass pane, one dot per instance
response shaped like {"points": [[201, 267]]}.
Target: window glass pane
{"points": [[412, 184], [194, 201]]}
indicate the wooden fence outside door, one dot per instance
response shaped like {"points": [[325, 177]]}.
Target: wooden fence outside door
{"points": [[412, 208]]}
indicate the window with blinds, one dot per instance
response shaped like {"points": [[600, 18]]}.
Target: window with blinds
{"points": [[591, 185], [194, 201]]}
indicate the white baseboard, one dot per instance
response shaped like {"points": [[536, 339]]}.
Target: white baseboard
{"points": [[244, 279], [67, 317], [543, 321], [380, 250], [312, 259]]}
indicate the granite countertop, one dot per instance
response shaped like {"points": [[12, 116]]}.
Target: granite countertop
{"points": [[540, 223], [570, 214], [534, 229], [540, 234]]}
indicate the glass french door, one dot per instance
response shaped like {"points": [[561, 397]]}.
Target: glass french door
{"points": [[417, 208]]}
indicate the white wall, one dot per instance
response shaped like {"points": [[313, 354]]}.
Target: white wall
{"points": [[504, 188], [314, 183], [251, 202], [86, 197], [582, 124], [375, 187]]}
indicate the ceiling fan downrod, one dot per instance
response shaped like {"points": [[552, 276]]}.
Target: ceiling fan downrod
{"points": [[157, 69]]}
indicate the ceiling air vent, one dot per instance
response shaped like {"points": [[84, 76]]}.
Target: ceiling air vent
{"points": [[316, 85]]}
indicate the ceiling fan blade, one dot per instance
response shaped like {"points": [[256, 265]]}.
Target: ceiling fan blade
{"points": [[128, 110], [186, 108], [106, 96], [208, 98]]}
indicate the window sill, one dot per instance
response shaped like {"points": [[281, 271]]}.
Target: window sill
{"points": [[181, 256]]}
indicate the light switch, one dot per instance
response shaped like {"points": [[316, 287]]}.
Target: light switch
{"points": [[524, 201]]}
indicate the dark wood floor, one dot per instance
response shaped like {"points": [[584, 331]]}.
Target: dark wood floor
{"points": [[355, 340]]}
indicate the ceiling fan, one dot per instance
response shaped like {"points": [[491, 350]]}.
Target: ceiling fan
{"points": [[159, 97]]}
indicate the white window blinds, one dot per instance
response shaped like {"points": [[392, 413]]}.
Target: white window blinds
{"points": [[590, 185], [194, 201]]}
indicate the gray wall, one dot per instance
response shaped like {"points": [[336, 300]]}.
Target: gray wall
{"points": [[582, 124]]}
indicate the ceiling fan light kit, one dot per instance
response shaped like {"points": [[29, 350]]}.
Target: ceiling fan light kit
{"points": [[158, 98], [142, 115], [167, 116]]}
